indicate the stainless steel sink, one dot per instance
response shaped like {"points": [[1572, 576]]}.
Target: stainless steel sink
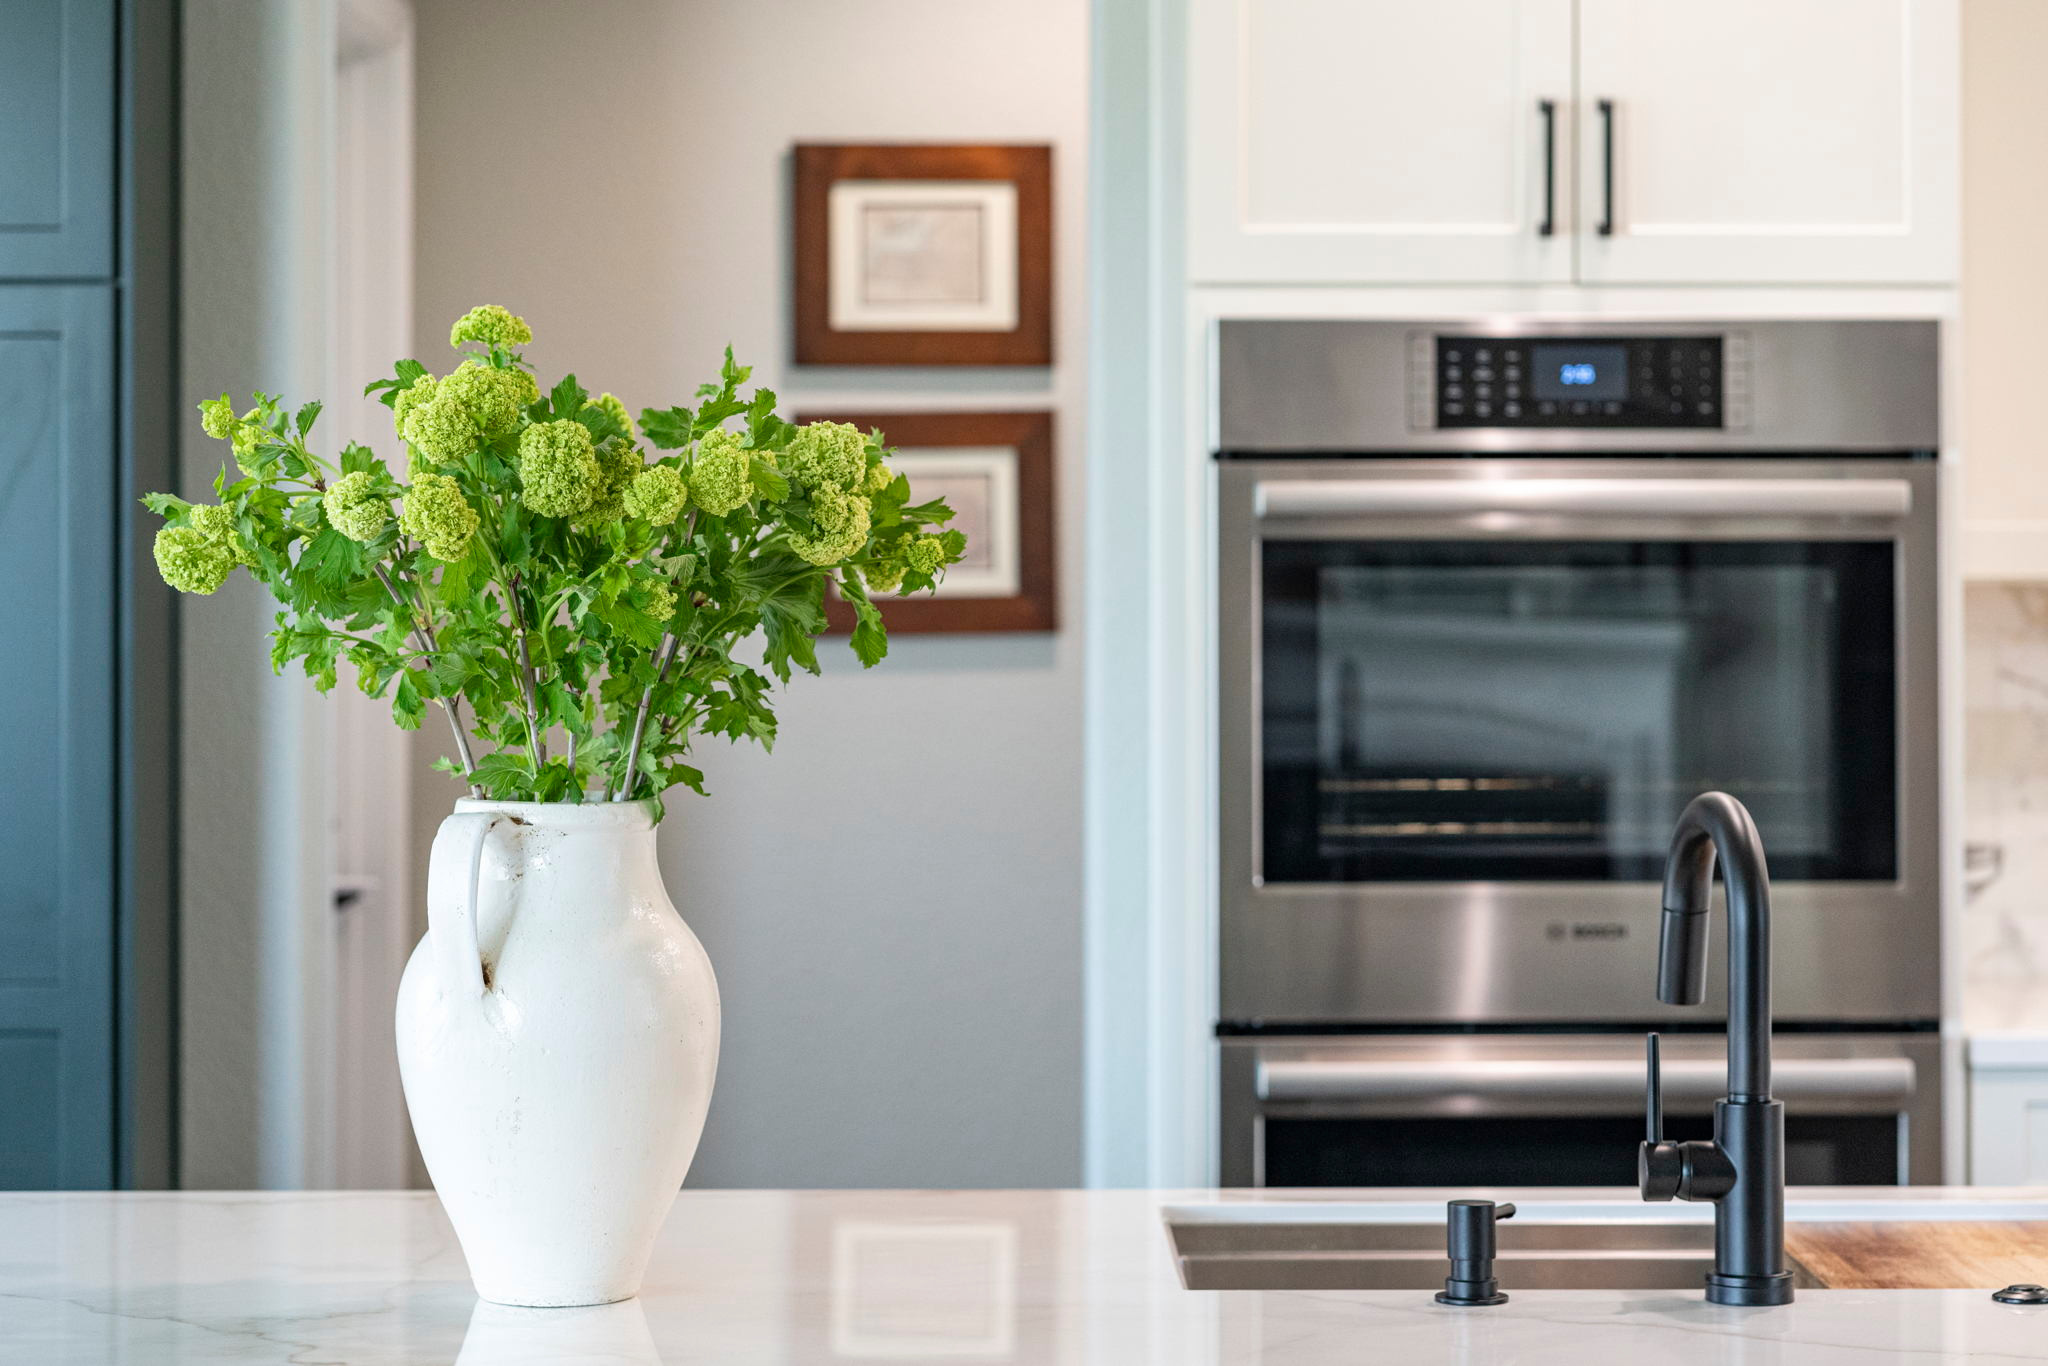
{"points": [[1274, 1254]]}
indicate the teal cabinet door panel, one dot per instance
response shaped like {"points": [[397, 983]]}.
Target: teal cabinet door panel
{"points": [[57, 171], [57, 679]]}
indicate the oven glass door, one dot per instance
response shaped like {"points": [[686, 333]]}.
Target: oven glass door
{"points": [[1541, 710]]}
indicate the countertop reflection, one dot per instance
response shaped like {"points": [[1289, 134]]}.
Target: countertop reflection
{"points": [[370, 1278]]}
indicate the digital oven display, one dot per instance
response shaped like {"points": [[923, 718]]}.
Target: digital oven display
{"points": [[1565, 372]]}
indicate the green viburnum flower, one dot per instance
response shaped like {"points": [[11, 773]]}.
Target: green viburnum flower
{"points": [[885, 577], [611, 403], [926, 554], [476, 404], [435, 514], [191, 561], [422, 392], [722, 475], [493, 397], [879, 477], [828, 455], [492, 325], [355, 508], [843, 522], [661, 603], [619, 463], [656, 495], [558, 471], [442, 433], [217, 525], [245, 438], [217, 416]]}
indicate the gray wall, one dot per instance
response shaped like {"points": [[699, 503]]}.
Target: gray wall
{"points": [[892, 899]]}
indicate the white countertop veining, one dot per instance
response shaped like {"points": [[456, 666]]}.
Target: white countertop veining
{"points": [[743, 1277]]}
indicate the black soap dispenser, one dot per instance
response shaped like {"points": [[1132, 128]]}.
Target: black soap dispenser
{"points": [[1469, 1238]]}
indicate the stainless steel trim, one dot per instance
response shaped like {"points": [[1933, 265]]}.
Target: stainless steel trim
{"points": [[1322, 385], [1570, 1082], [1897, 1074], [1687, 498]]}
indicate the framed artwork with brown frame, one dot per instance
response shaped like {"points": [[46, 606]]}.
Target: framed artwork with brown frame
{"points": [[923, 255], [996, 471]]}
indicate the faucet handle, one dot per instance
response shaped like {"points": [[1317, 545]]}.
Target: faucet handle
{"points": [[1653, 1092], [1660, 1166]]}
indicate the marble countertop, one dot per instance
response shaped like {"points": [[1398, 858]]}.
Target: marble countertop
{"points": [[369, 1278]]}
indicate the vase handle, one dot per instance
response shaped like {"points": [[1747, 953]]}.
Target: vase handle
{"points": [[453, 875]]}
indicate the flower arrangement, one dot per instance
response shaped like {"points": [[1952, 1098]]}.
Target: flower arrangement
{"points": [[540, 580]]}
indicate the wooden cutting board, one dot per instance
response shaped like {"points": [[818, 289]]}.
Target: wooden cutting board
{"points": [[1920, 1256]]}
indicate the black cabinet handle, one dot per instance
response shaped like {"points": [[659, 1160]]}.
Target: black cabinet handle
{"points": [[1548, 109], [1606, 228]]}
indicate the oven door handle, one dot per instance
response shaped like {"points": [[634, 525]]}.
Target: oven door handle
{"points": [[1283, 500], [1563, 1081]]}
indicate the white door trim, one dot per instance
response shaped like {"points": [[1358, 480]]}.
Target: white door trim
{"points": [[370, 319]]}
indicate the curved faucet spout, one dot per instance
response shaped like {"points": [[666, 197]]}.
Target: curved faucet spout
{"points": [[1743, 1169], [1715, 824]]}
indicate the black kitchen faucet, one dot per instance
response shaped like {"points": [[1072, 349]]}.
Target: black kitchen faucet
{"points": [[1742, 1170]]}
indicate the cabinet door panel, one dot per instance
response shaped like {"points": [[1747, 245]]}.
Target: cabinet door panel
{"points": [[57, 558], [1771, 141], [56, 138], [1373, 141]]}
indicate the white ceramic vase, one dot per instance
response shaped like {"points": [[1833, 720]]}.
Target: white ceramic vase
{"points": [[557, 1035]]}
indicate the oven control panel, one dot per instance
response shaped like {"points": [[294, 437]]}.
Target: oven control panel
{"points": [[1581, 381]]}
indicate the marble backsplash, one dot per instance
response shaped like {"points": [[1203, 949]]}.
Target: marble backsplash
{"points": [[2004, 931]]}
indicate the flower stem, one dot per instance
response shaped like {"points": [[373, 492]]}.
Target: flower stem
{"points": [[631, 778], [662, 660], [423, 638], [536, 748]]}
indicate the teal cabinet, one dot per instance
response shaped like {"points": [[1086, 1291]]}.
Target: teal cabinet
{"points": [[57, 683], [57, 151]]}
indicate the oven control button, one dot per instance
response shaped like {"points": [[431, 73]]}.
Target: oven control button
{"points": [[1482, 356], [1580, 407], [1511, 409], [1611, 408], [1483, 373], [1454, 410], [1482, 409], [1454, 391], [1547, 408]]}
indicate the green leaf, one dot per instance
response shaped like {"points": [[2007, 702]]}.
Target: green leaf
{"points": [[357, 457], [870, 637], [769, 482], [688, 777], [407, 706], [410, 372], [306, 417], [791, 621], [928, 514], [667, 429], [332, 559], [568, 398], [165, 505]]}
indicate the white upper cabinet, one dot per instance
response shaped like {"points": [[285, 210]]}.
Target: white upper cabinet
{"points": [[1768, 141], [1358, 141], [1742, 142]]}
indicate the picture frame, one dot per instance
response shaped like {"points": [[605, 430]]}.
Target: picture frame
{"points": [[921, 254], [996, 469]]}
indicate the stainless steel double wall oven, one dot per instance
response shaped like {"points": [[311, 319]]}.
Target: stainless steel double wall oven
{"points": [[1499, 598]]}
